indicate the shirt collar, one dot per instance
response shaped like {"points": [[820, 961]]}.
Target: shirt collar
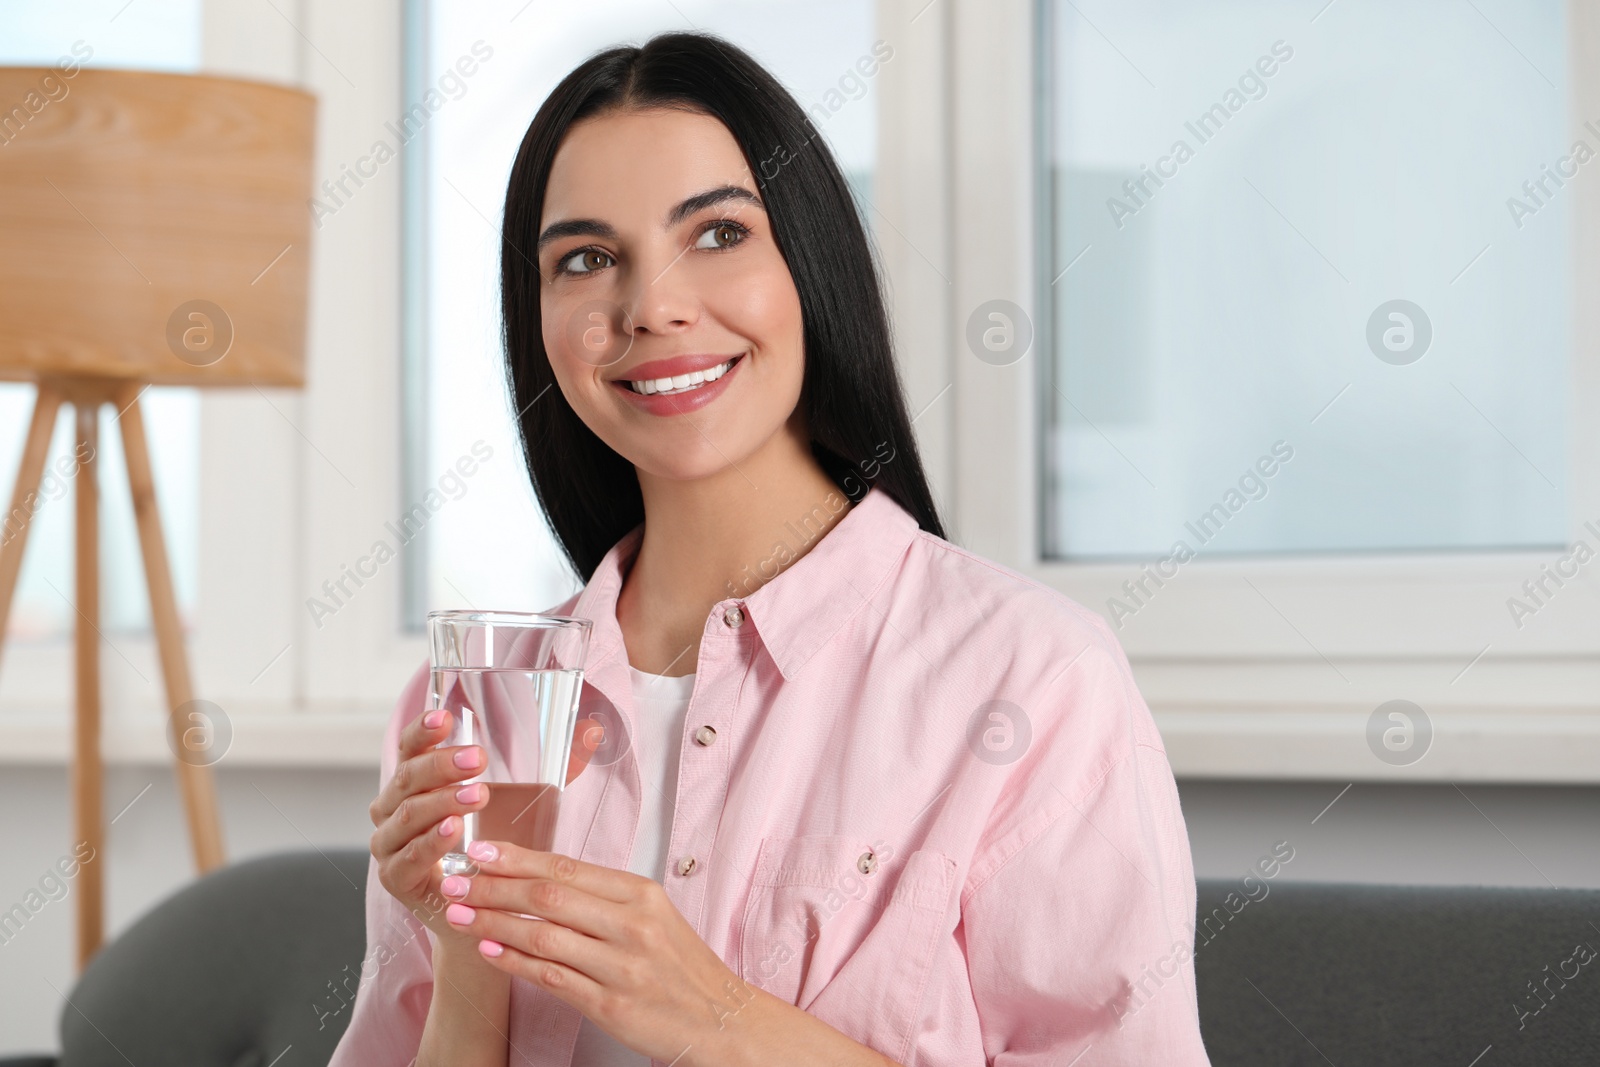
{"points": [[795, 614]]}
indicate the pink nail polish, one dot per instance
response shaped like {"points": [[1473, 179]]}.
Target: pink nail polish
{"points": [[490, 948], [468, 794], [455, 886], [459, 914], [468, 758], [482, 850], [434, 719], [447, 827]]}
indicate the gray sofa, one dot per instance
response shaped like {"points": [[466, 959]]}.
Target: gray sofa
{"points": [[1376, 975], [228, 972], [263, 956]]}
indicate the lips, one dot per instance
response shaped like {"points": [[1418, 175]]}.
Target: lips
{"points": [[676, 366], [680, 384]]}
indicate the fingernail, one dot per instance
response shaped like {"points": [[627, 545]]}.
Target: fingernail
{"points": [[459, 914], [490, 948], [434, 719], [455, 886], [447, 827], [468, 794], [468, 758], [482, 850]]}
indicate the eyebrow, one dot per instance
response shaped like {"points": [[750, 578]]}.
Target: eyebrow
{"points": [[605, 231]]}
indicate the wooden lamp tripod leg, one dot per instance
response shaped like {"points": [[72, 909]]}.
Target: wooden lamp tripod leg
{"points": [[88, 774], [24, 496], [194, 775], [193, 765], [88, 813]]}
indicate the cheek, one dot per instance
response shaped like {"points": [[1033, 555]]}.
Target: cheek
{"points": [[562, 336], [762, 305], [555, 352], [554, 316], [560, 349], [583, 336]]}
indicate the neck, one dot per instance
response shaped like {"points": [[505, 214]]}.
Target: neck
{"points": [[722, 536]]}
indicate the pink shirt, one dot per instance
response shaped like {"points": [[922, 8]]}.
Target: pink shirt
{"points": [[924, 802]]}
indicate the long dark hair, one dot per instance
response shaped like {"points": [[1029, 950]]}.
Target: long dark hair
{"points": [[852, 398]]}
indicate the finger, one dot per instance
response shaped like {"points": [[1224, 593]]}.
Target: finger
{"points": [[417, 736], [514, 861], [421, 812], [416, 863], [423, 732], [574, 987], [587, 737], [550, 953], [428, 770], [564, 904]]}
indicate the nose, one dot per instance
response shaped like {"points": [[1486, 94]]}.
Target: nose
{"points": [[664, 300]]}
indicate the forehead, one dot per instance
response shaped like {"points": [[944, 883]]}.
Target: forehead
{"points": [[630, 167]]}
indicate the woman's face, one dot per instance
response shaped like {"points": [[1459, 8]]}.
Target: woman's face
{"points": [[657, 261]]}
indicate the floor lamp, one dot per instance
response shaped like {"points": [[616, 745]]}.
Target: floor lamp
{"points": [[154, 229]]}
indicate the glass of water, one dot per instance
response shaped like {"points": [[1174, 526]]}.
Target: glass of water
{"points": [[510, 681]]}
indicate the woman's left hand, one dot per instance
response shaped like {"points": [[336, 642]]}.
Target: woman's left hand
{"points": [[613, 946]]}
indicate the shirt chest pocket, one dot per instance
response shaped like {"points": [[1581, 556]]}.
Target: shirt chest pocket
{"points": [[847, 930]]}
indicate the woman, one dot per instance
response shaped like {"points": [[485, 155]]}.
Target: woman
{"points": [[871, 799]]}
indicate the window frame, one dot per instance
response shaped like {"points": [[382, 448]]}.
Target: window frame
{"points": [[328, 457], [1275, 681], [280, 466]]}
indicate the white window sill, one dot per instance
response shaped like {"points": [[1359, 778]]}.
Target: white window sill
{"points": [[1329, 742], [288, 738], [1549, 746]]}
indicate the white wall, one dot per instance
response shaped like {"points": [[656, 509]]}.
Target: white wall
{"points": [[1509, 835]]}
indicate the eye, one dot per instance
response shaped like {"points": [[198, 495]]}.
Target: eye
{"points": [[587, 260], [723, 233]]}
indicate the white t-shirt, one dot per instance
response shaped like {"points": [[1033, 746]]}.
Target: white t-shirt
{"points": [[660, 704]]}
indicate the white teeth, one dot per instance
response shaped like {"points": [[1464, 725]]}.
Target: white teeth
{"points": [[680, 383]]}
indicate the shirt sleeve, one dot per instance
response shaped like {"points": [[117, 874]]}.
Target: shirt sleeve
{"points": [[395, 987], [1079, 942]]}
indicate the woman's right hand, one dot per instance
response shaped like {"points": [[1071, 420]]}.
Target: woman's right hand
{"points": [[419, 810], [418, 815]]}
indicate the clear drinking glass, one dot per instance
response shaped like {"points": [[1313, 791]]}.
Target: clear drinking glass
{"points": [[510, 681]]}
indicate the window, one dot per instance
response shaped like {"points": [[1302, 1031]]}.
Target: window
{"points": [[1310, 281], [489, 545]]}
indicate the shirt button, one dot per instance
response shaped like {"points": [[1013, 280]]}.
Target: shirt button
{"points": [[867, 863], [705, 735], [686, 866], [733, 617]]}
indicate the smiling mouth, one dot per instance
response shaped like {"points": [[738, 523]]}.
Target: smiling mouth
{"points": [[682, 383]]}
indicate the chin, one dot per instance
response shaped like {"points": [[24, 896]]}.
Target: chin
{"points": [[680, 450], [687, 465]]}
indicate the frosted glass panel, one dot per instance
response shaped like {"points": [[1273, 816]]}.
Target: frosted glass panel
{"points": [[147, 35], [1310, 276], [489, 544]]}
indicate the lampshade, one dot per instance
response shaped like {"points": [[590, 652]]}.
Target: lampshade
{"points": [[153, 227]]}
